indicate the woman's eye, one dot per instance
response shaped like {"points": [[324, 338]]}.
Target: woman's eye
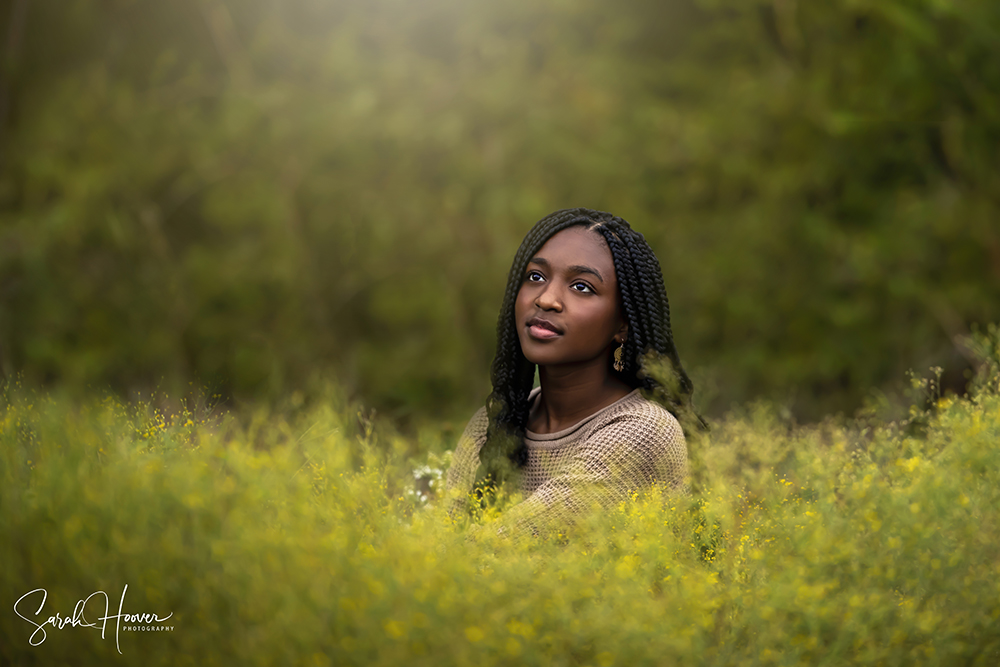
{"points": [[534, 276], [583, 287]]}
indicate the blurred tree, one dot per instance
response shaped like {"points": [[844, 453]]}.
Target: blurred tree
{"points": [[266, 194]]}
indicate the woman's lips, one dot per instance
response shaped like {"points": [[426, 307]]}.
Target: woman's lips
{"points": [[542, 333], [542, 329]]}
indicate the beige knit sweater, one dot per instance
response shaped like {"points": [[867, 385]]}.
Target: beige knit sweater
{"points": [[625, 447]]}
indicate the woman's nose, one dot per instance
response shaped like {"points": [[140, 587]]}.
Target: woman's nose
{"points": [[548, 299]]}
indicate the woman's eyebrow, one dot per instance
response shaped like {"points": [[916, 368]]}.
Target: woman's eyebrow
{"points": [[580, 268], [576, 268]]}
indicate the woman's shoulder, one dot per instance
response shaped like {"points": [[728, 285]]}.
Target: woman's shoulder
{"points": [[642, 440], [638, 421], [475, 429], [465, 459]]}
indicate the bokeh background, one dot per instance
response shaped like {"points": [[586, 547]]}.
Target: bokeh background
{"points": [[265, 197]]}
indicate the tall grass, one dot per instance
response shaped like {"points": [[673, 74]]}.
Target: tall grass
{"points": [[305, 540]]}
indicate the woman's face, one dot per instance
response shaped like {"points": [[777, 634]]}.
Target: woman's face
{"points": [[567, 308]]}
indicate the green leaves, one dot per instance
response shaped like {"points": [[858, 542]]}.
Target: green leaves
{"points": [[257, 196], [293, 537]]}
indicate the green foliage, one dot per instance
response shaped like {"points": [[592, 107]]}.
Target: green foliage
{"points": [[260, 195], [296, 540]]}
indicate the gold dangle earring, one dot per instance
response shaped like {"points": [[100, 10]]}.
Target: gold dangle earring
{"points": [[619, 364]]}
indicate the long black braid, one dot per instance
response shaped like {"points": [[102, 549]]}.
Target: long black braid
{"points": [[646, 310]]}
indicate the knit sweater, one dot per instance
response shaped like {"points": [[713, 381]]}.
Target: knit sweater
{"points": [[624, 447]]}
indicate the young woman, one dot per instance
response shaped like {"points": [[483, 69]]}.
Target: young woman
{"points": [[584, 304]]}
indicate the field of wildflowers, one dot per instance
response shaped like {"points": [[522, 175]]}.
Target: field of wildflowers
{"points": [[317, 537]]}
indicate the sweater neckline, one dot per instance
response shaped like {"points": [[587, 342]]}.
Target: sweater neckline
{"points": [[559, 435]]}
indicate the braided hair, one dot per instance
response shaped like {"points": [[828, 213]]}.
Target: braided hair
{"points": [[645, 308]]}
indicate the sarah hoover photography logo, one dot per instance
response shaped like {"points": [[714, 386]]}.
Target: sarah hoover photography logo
{"points": [[92, 605]]}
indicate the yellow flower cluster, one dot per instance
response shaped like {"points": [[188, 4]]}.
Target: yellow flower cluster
{"points": [[319, 538]]}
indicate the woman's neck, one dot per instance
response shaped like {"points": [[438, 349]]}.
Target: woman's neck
{"points": [[572, 394]]}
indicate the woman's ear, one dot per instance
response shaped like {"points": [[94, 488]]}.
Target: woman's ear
{"points": [[622, 334]]}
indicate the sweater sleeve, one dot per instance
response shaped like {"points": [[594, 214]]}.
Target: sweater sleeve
{"points": [[626, 453], [465, 460]]}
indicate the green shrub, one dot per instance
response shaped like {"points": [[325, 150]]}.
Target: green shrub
{"points": [[299, 540], [341, 193]]}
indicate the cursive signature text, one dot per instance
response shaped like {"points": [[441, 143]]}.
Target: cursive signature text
{"points": [[79, 618]]}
